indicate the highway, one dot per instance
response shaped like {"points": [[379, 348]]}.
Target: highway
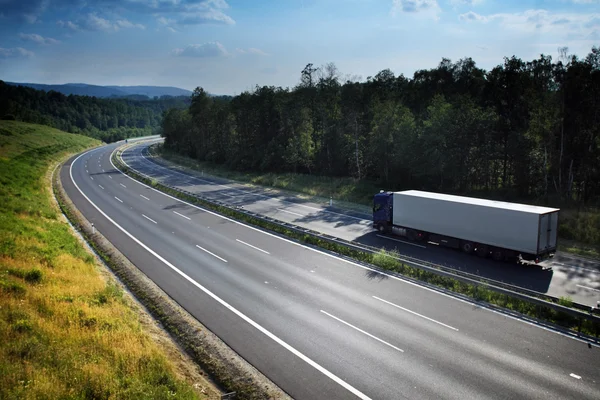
{"points": [[318, 326], [567, 275]]}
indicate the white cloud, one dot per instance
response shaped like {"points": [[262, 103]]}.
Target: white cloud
{"points": [[15, 52], [92, 22], [252, 50], [34, 37], [204, 17], [183, 12], [560, 25], [472, 16], [165, 21], [204, 50], [123, 23], [427, 9], [465, 2], [414, 5], [68, 25]]}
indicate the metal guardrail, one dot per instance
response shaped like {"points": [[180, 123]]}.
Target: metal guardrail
{"points": [[531, 296]]}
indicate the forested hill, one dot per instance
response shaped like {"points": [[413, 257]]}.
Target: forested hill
{"points": [[524, 130], [105, 119], [82, 89]]}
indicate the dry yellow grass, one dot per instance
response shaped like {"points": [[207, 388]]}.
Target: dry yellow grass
{"points": [[67, 331]]}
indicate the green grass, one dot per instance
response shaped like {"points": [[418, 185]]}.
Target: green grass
{"points": [[347, 192], [579, 229], [66, 332]]}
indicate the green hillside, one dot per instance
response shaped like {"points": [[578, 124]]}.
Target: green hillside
{"points": [[66, 332]]}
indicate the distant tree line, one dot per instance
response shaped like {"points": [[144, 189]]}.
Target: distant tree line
{"points": [[524, 130], [106, 119]]}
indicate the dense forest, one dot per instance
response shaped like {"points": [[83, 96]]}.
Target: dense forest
{"points": [[106, 119], [524, 130]]}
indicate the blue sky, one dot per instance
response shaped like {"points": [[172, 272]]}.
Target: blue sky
{"points": [[230, 46]]}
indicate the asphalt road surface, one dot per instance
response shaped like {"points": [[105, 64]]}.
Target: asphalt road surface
{"points": [[565, 275], [318, 326]]}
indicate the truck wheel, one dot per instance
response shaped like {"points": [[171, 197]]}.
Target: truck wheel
{"points": [[483, 251], [497, 254], [467, 247]]}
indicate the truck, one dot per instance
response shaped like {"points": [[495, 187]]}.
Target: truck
{"points": [[500, 230]]}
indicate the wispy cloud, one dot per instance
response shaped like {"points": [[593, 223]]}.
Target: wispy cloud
{"points": [[472, 16], [421, 8], [252, 50], [23, 10], [204, 50], [15, 52], [574, 25], [411, 6], [182, 12], [466, 2], [92, 22], [34, 37]]}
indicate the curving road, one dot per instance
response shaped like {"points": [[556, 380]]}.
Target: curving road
{"points": [[570, 276], [318, 326]]}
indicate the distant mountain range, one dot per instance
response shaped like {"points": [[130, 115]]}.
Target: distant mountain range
{"points": [[83, 89]]}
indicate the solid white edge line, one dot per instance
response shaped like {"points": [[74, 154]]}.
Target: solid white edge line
{"points": [[118, 199], [589, 288], [212, 254], [455, 298], [401, 241], [149, 219], [244, 191], [415, 313], [181, 215], [254, 247], [290, 212], [361, 331], [270, 335], [575, 268], [144, 197]]}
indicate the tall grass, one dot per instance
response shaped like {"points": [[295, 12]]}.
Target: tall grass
{"points": [[66, 332]]}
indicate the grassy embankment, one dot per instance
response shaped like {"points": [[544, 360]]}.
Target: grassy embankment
{"points": [[579, 230], [67, 329]]}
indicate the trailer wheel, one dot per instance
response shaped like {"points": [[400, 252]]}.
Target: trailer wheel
{"points": [[411, 235], [497, 254], [483, 250], [467, 247]]}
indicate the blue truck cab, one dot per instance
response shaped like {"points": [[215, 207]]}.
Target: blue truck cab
{"points": [[382, 211]]}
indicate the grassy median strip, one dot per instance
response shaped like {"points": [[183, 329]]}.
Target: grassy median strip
{"points": [[388, 261], [67, 331]]}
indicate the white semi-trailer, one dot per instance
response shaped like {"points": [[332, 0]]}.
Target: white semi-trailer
{"points": [[501, 230]]}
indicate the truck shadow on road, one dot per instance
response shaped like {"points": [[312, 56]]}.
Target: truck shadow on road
{"points": [[529, 277], [334, 219]]}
